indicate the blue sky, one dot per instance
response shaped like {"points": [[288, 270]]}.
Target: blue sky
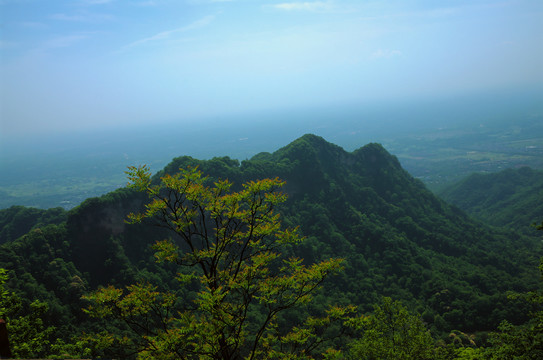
{"points": [[84, 64]]}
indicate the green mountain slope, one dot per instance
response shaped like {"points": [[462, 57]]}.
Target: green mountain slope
{"points": [[18, 220], [398, 240], [510, 198]]}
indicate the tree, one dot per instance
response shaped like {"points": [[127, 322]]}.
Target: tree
{"points": [[522, 341], [29, 336], [393, 333], [3, 292], [227, 248]]}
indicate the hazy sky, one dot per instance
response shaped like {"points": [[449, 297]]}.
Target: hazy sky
{"points": [[94, 63]]}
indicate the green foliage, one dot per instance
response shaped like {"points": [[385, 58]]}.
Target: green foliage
{"points": [[393, 333], [18, 220], [469, 353], [77, 348], [518, 342], [3, 292], [28, 333], [397, 239], [229, 244], [29, 336], [509, 198], [523, 341]]}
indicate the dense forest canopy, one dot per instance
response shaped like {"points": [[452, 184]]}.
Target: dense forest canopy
{"points": [[397, 239], [510, 198]]}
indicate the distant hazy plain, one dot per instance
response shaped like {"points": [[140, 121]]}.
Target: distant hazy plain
{"points": [[68, 167]]}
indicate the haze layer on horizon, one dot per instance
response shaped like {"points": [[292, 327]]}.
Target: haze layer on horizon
{"points": [[92, 64]]}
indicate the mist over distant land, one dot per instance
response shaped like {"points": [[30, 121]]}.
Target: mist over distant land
{"points": [[243, 135], [436, 140]]}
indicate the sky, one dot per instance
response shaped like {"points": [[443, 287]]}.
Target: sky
{"points": [[87, 64]]}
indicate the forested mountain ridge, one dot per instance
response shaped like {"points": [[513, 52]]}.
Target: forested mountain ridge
{"points": [[510, 198], [18, 220], [397, 238]]}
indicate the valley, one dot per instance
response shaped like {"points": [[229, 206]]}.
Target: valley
{"points": [[396, 238]]}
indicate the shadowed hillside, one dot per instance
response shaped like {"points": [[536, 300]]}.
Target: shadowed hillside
{"points": [[397, 238], [510, 198]]}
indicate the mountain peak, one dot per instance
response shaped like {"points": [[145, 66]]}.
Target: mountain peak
{"points": [[313, 139], [397, 238], [309, 146]]}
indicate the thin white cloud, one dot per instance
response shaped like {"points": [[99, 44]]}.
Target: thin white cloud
{"points": [[66, 17], [6, 44], [198, 2], [62, 42], [83, 17], [97, 2], [33, 25], [418, 15], [304, 6], [164, 35], [443, 12], [146, 3], [385, 54]]}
